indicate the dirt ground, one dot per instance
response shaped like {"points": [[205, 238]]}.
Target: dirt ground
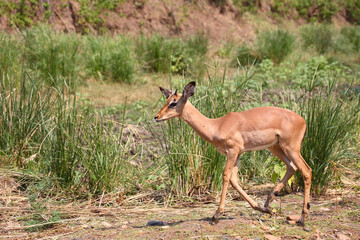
{"points": [[334, 216]]}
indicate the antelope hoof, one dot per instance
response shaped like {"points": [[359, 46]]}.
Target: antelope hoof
{"points": [[301, 222], [265, 210], [215, 219]]}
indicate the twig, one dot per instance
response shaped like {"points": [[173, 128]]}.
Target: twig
{"points": [[47, 223]]}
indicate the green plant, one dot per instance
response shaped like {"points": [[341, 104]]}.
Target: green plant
{"points": [[331, 125], [159, 54], [352, 8], [275, 45], [110, 57], [321, 10], [53, 55], [226, 49], [352, 34], [318, 36], [246, 56], [10, 54]]}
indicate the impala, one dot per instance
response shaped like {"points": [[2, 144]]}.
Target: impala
{"points": [[277, 129]]}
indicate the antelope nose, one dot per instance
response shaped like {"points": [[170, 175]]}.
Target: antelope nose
{"points": [[156, 117]]}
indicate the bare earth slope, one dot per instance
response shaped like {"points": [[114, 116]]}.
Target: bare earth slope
{"points": [[168, 18]]}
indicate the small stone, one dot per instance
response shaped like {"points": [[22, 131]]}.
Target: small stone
{"points": [[306, 229], [85, 226], [155, 223], [291, 222], [337, 199], [271, 237], [124, 226], [106, 224], [325, 209], [266, 228], [164, 227], [293, 218], [341, 236]]}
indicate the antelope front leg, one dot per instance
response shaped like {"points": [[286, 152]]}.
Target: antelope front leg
{"points": [[230, 163]]}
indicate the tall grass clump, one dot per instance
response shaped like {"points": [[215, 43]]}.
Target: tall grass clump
{"points": [[159, 54], [110, 57], [275, 45], [352, 34], [54, 55], [332, 122], [246, 56], [317, 36], [11, 50], [46, 131]]}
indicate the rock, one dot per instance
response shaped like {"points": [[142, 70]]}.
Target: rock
{"points": [[271, 237], [85, 226], [266, 228], [156, 223], [293, 218], [124, 226], [325, 209], [306, 229], [106, 224], [291, 222], [341, 236], [166, 226]]}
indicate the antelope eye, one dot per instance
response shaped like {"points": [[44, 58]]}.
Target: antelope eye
{"points": [[172, 105]]}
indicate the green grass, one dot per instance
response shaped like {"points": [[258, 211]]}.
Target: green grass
{"points": [[332, 124], [318, 37], [275, 45], [110, 58], [159, 54], [54, 55]]}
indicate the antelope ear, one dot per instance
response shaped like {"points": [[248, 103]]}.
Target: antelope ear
{"points": [[189, 90], [166, 92]]}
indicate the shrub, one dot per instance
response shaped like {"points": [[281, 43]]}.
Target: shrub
{"points": [[275, 45], [110, 57], [10, 54], [318, 36], [352, 8], [53, 55], [331, 126], [49, 134], [158, 54], [245, 56], [352, 34]]}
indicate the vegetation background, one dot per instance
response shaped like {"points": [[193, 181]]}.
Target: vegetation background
{"points": [[79, 89]]}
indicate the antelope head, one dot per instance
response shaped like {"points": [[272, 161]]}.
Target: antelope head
{"points": [[175, 102]]}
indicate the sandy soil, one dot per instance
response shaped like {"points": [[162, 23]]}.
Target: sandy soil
{"points": [[334, 216]]}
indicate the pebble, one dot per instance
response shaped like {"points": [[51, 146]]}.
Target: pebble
{"points": [[341, 236], [293, 217], [156, 223], [106, 224], [271, 237], [291, 222]]}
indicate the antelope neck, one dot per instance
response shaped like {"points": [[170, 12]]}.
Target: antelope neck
{"points": [[202, 125]]}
